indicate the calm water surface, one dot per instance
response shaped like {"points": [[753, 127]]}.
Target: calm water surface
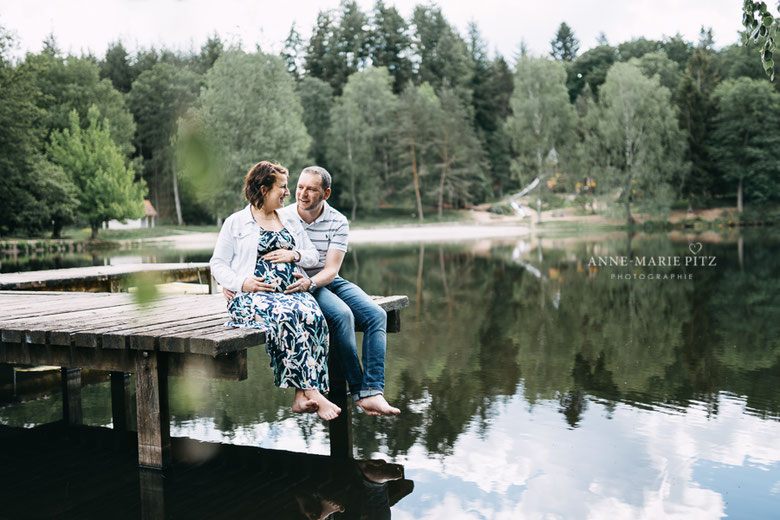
{"points": [[534, 383]]}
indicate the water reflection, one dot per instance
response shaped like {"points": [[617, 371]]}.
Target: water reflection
{"points": [[525, 375], [85, 472]]}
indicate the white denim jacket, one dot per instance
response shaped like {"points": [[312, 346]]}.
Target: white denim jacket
{"points": [[235, 254]]}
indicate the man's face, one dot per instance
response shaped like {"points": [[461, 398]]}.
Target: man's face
{"points": [[309, 193]]}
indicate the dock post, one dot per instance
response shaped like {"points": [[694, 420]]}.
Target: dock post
{"points": [[152, 486], [341, 426], [212, 284], [71, 395], [151, 391], [120, 401]]}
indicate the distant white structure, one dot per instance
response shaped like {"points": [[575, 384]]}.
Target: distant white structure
{"points": [[148, 221]]}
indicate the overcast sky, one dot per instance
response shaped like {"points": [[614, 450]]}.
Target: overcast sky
{"points": [[89, 25]]}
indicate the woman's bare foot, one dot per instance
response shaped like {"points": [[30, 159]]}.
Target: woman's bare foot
{"points": [[325, 409], [377, 405], [303, 404]]}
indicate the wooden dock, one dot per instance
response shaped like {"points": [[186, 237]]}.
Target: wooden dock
{"points": [[106, 278], [180, 335]]}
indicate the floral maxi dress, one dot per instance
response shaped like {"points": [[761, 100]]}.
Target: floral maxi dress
{"points": [[296, 331]]}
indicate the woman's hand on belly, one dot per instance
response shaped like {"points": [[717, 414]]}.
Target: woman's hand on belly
{"points": [[279, 256], [256, 284]]}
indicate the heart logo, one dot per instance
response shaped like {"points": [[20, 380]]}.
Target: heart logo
{"points": [[694, 247]]}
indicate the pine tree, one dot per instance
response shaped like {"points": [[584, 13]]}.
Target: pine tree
{"points": [[564, 45]]}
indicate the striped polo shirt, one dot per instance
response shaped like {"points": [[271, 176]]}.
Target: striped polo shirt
{"points": [[329, 231]]}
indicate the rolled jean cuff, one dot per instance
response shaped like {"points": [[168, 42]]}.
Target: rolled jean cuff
{"points": [[362, 394]]}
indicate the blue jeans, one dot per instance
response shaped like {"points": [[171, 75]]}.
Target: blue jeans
{"points": [[344, 305]]}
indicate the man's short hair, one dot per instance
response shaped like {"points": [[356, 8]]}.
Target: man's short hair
{"points": [[322, 172]]}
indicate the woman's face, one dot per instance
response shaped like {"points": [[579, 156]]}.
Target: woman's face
{"points": [[274, 198]]}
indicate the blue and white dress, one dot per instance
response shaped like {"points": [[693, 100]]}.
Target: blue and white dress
{"points": [[296, 331]]}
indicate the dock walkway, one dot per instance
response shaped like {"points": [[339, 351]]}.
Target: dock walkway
{"points": [[174, 335], [106, 278]]}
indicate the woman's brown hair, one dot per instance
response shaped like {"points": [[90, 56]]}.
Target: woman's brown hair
{"points": [[262, 174]]}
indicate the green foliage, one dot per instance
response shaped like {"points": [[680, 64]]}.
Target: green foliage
{"points": [[457, 152], [389, 44], [761, 27], [116, 67], [415, 114], [744, 139], [72, 83], [590, 68], [249, 111], [542, 118], [106, 186], [636, 48], [658, 64], [158, 98], [443, 54], [634, 137], [21, 131], [359, 148], [564, 45], [317, 101]]}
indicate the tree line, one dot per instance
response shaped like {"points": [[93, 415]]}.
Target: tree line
{"points": [[407, 113]]}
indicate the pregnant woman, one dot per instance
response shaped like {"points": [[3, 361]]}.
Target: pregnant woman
{"points": [[259, 255]]}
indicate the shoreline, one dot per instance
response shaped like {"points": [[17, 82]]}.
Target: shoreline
{"points": [[426, 233]]}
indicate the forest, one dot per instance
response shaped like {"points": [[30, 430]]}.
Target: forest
{"points": [[406, 113]]}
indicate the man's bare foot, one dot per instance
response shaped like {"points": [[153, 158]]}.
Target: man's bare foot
{"points": [[325, 409], [377, 405], [379, 471], [303, 404]]}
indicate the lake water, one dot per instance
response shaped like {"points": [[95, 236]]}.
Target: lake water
{"points": [[542, 379]]}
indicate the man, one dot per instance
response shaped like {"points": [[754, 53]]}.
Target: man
{"points": [[343, 303]]}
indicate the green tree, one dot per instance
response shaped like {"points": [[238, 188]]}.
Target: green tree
{"points": [[158, 98], [542, 118], [292, 52], [658, 63], [250, 112], [635, 138], [390, 44], [636, 48], [744, 140], [106, 186], [443, 55], [209, 52], [416, 109], [74, 83], [564, 45], [678, 50], [21, 132], [694, 99], [317, 102], [361, 122], [116, 67], [492, 85], [590, 68], [457, 151], [57, 194]]}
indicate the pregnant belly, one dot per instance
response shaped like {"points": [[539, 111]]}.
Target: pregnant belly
{"points": [[278, 275]]}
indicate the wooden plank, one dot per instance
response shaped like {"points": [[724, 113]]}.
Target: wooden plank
{"points": [[229, 367], [391, 303], [225, 340], [101, 276], [151, 390]]}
